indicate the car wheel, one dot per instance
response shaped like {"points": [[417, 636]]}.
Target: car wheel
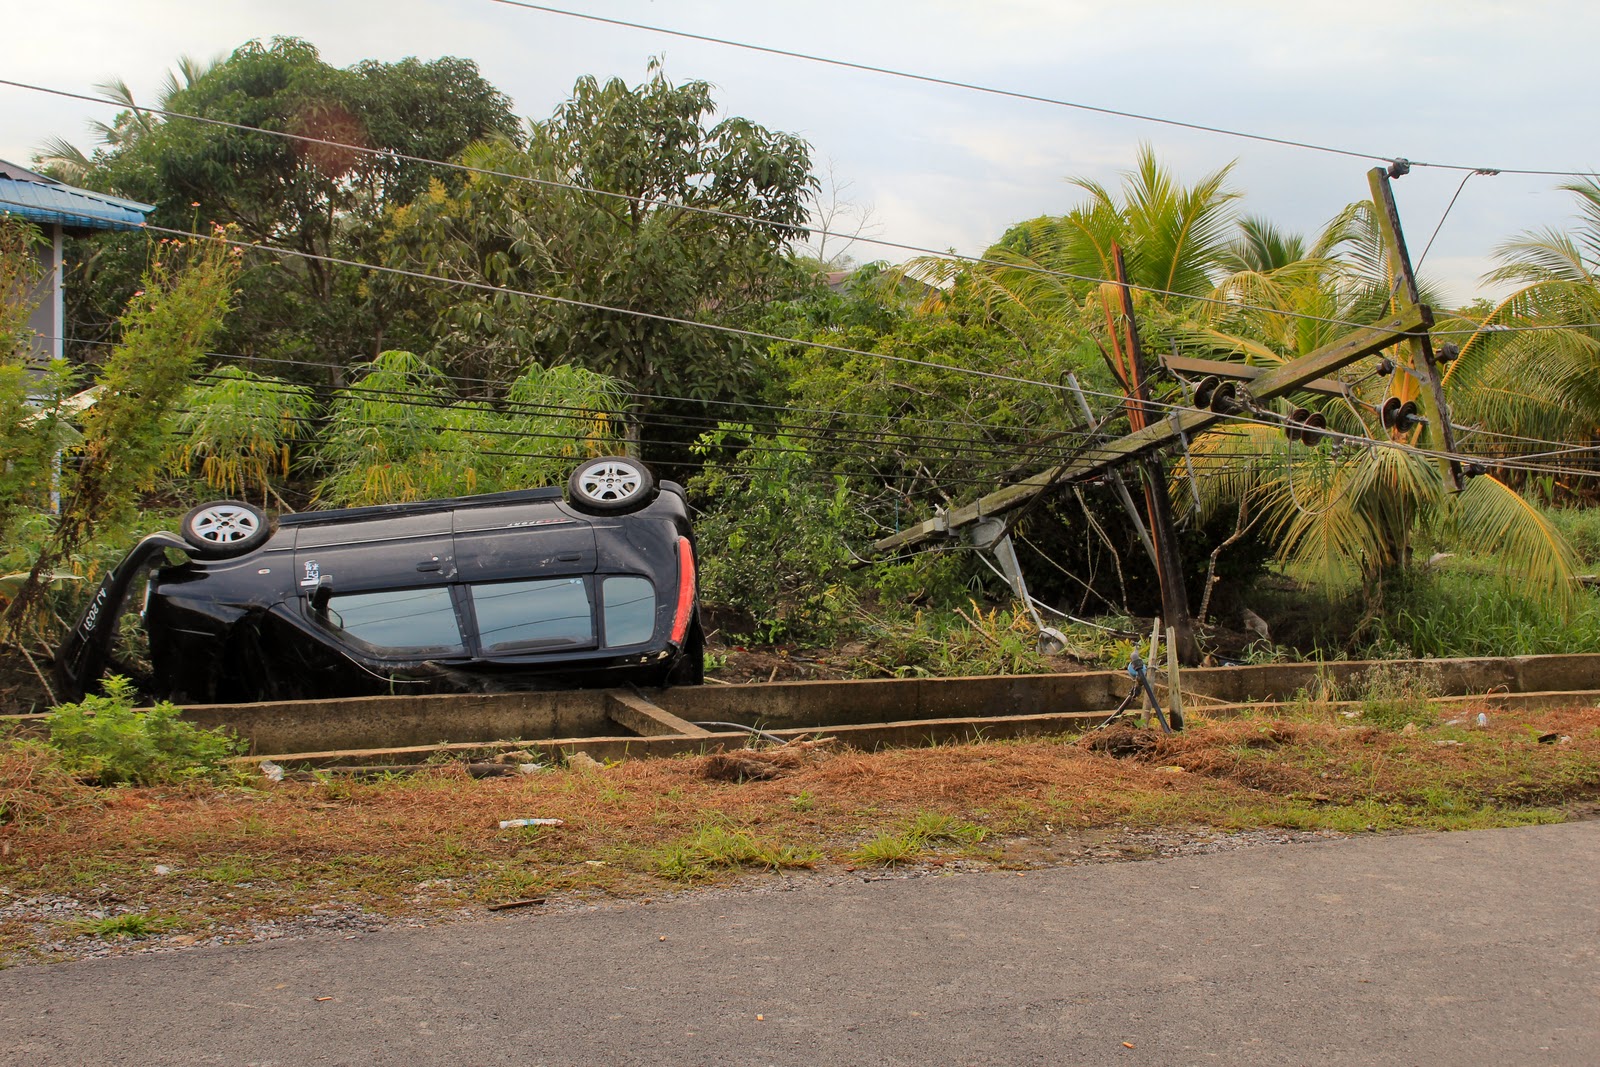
{"points": [[225, 528], [611, 485]]}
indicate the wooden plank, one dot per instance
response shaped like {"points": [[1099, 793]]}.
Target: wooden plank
{"points": [[1274, 382], [1246, 372]]}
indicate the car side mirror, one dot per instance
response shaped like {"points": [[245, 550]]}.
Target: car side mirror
{"points": [[321, 595]]}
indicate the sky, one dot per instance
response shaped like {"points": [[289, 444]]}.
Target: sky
{"points": [[1475, 83]]}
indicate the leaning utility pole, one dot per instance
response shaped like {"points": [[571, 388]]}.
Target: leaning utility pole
{"points": [[1416, 393], [1158, 504]]}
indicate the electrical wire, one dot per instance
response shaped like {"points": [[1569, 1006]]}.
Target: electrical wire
{"points": [[946, 254], [720, 328], [1464, 179], [1018, 95]]}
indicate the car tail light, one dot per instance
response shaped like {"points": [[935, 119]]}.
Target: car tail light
{"points": [[686, 576]]}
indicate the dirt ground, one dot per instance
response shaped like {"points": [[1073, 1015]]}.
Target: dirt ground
{"points": [[91, 871]]}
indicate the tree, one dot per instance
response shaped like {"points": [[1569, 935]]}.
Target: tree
{"points": [[625, 198], [401, 432], [1544, 332], [1350, 512], [165, 331], [1175, 239], [31, 431], [321, 200], [238, 428]]}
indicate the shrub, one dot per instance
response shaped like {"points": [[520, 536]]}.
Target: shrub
{"points": [[106, 740]]}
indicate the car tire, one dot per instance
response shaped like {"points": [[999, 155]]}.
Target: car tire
{"points": [[222, 529], [611, 485]]}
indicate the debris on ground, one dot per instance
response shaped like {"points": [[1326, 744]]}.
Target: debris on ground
{"points": [[1121, 741], [763, 764]]}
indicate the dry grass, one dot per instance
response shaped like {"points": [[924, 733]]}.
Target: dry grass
{"points": [[210, 860]]}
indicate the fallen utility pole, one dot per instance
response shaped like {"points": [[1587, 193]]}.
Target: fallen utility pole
{"points": [[1408, 321], [1279, 381]]}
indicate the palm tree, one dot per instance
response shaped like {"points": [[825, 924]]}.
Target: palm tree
{"points": [[1545, 331], [1046, 272], [1350, 512], [67, 162]]}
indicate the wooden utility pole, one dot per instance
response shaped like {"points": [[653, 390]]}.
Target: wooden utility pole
{"points": [[1406, 324], [1420, 380], [1158, 504]]}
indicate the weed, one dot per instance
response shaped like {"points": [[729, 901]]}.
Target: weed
{"points": [[802, 801], [1397, 694], [931, 828], [107, 740], [228, 872], [715, 847], [888, 850], [35, 783], [924, 830], [132, 925]]}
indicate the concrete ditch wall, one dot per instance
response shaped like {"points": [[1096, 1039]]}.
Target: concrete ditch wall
{"points": [[912, 705]]}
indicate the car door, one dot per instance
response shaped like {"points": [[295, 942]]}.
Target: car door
{"points": [[383, 583]]}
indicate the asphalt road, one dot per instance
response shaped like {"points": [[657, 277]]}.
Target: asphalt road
{"points": [[1461, 949]]}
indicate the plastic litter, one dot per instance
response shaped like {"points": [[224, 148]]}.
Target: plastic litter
{"points": [[507, 824]]}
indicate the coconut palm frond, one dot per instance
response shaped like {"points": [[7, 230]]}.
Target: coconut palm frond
{"points": [[1262, 248], [1531, 554], [62, 159], [1248, 349], [1226, 467], [1547, 255], [1315, 515]]}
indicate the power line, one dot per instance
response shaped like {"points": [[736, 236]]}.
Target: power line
{"points": [[964, 447], [946, 254], [1119, 399], [1018, 95]]}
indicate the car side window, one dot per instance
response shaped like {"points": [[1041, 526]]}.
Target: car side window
{"points": [[630, 607], [400, 620], [551, 613]]}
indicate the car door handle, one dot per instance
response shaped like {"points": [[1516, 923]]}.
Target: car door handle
{"points": [[428, 565], [570, 557]]}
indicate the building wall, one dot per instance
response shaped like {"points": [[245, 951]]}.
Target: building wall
{"points": [[48, 319]]}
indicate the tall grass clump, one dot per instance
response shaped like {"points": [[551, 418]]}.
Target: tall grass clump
{"points": [[1460, 613]]}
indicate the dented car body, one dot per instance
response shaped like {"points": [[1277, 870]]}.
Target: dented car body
{"points": [[520, 590]]}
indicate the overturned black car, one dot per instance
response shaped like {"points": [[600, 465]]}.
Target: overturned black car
{"points": [[533, 589]]}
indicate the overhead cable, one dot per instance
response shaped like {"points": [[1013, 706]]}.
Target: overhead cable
{"points": [[1018, 95]]}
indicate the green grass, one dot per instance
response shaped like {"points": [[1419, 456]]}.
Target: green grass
{"points": [[924, 832], [715, 847], [132, 926]]}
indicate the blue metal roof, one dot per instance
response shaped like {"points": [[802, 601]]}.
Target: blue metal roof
{"points": [[44, 200]]}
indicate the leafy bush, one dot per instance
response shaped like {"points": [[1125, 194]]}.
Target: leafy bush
{"points": [[774, 536], [107, 740]]}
